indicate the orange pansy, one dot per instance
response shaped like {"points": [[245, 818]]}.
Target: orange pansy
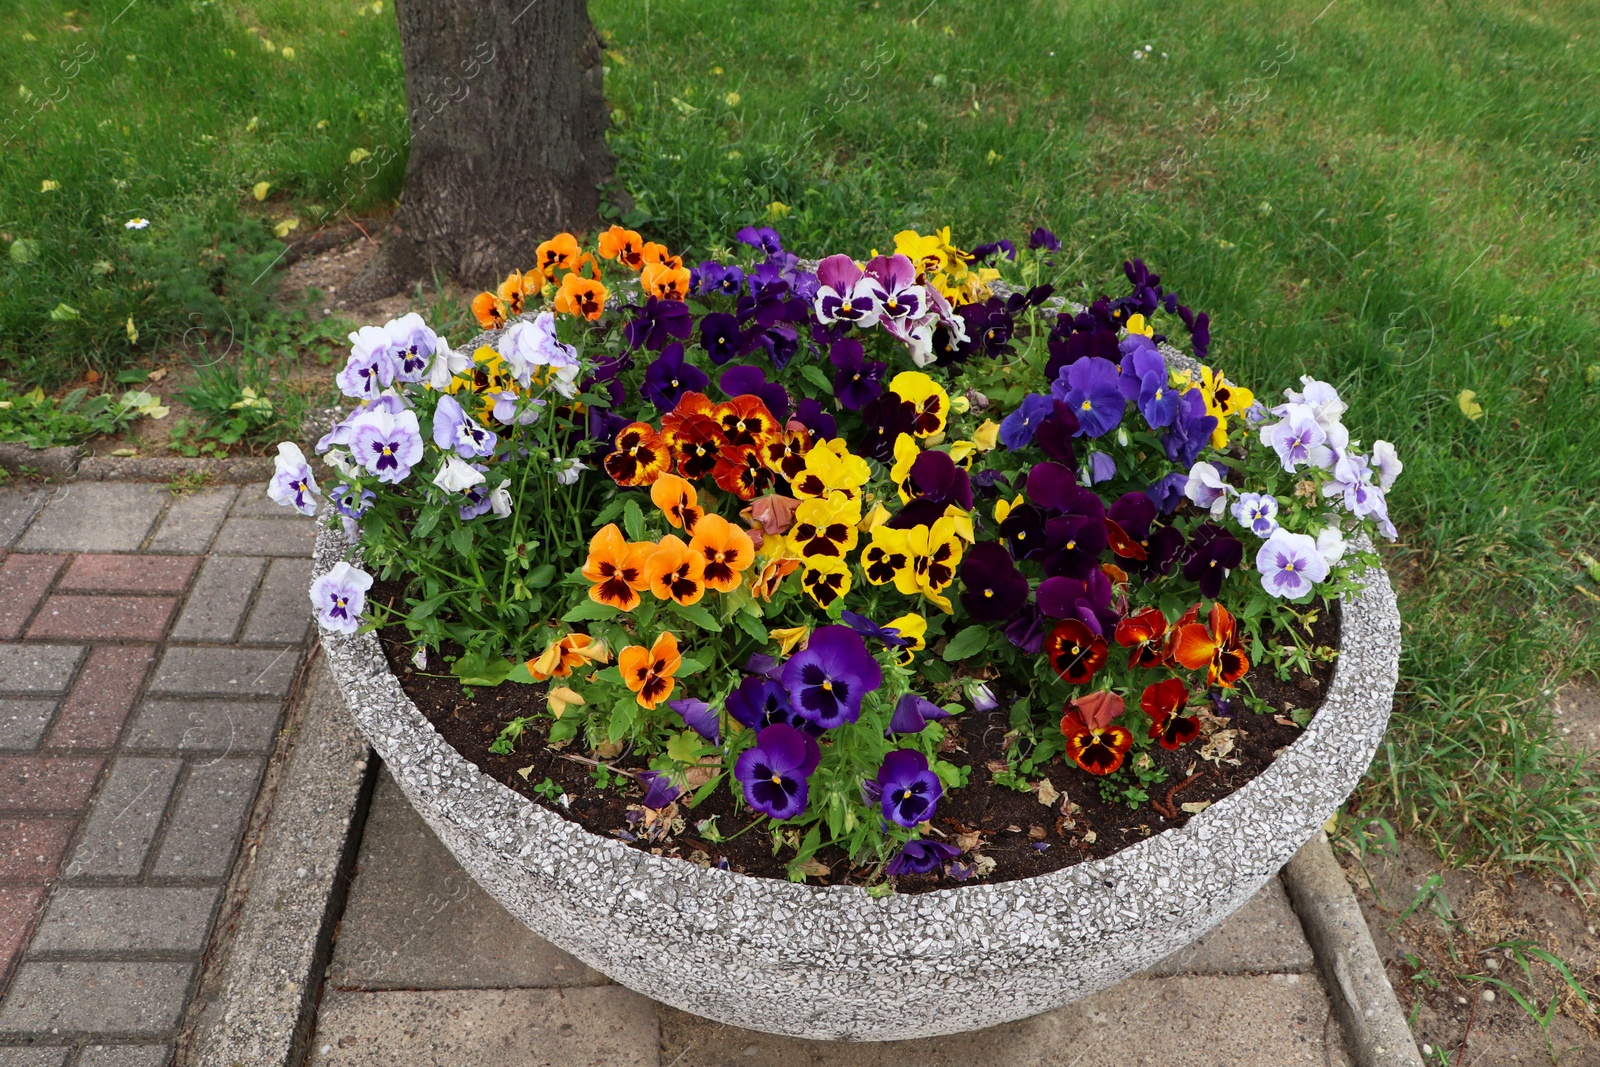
{"points": [[678, 502], [765, 582], [1144, 632], [676, 572], [664, 282], [649, 672], [693, 435], [740, 471], [561, 656], [616, 568], [624, 246], [657, 253], [517, 286], [745, 420], [581, 296], [560, 253], [1214, 645], [641, 456], [488, 310], [727, 551]]}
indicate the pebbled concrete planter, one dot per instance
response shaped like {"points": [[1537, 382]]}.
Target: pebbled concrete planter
{"points": [[834, 963]]}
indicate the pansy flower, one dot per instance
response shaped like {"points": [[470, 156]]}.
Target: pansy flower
{"points": [[726, 549], [829, 677], [1213, 645], [340, 596], [1022, 529], [1130, 527], [762, 238], [1090, 388], [657, 323], [692, 435], [624, 246], [1075, 651], [745, 420], [411, 346], [371, 366], [1054, 435], [560, 253], [857, 381], [767, 578], [675, 572], [640, 457], [387, 445], [786, 455], [830, 470], [883, 421], [907, 788], [1017, 429], [824, 528], [1211, 554], [565, 654], [825, 581], [741, 470], [1257, 512], [1290, 564], [847, 294], [887, 555], [929, 402], [616, 568], [664, 281], [1300, 440], [293, 484], [1190, 431], [489, 311], [678, 501], [921, 856], [775, 771], [745, 380], [903, 298], [650, 672], [1094, 741], [1162, 701], [721, 337], [934, 551], [1144, 635], [758, 702], [581, 297], [912, 713], [455, 431], [1087, 600], [995, 589]]}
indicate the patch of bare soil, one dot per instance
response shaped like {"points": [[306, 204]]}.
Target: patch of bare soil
{"points": [[1451, 938]]}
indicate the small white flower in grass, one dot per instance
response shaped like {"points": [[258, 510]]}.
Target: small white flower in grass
{"points": [[135, 224], [500, 499], [1331, 544], [1290, 564], [457, 475], [340, 596], [569, 470], [292, 483]]}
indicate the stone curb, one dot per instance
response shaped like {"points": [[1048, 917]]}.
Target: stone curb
{"points": [[61, 464], [1375, 1028], [264, 972]]}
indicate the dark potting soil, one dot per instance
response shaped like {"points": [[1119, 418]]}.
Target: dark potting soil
{"points": [[1022, 835]]}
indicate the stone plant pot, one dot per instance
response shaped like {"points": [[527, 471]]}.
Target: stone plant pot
{"points": [[832, 962]]}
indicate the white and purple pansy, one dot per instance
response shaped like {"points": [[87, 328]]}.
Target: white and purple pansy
{"points": [[1290, 564], [1206, 488], [340, 596], [293, 484], [845, 293], [454, 430], [1299, 439], [386, 445], [526, 346], [1352, 480], [447, 363], [371, 367], [411, 346], [1257, 512], [903, 299]]}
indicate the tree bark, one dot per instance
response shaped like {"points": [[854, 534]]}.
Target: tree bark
{"points": [[507, 115]]}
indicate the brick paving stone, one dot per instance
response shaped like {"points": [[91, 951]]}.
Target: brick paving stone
{"points": [[101, 698], [17, 506], [209, 818], [211, 726], [202, 672], [24, 578], [218, 601], [23, 722], [47, 783], [267, 537], [19, 906], [98, 997], [282, 615], [127, 574], [95, 517], [254, 503], [31, 849], [124, 1056], [125, 818], [125, 919], [192, 520], [34, 1055], [103, 618], [29, 669]]}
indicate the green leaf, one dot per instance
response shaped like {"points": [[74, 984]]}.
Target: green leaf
{"points": [[688, 666], [622, 719], [474, 670], [752, 626], [461, 540], [541, 576], [633, 520], [609, 513], [685, 747], [966, 643], [813, 374], [705, 790], [699, 616], [520, 673], [590, 611], [426, 522]]}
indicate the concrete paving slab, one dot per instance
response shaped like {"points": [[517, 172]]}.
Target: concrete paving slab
{"points": [[415, 920], [206, 823], [124, 1056], [32, 669], [125, 818], [469, 1028], [192, 520], [17, 505], [125, 919], [95, 517], [102, 997], [223, 727], [204, 672], [1199, 1021], [1263, 937], [23, 722], [33, 1055]]}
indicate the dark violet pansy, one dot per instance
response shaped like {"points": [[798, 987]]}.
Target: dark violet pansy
{"points": [[760, 701], [720, 336], [857, 381], [935, 476], [774, 773], [764, 237], [1023, 531], [908, 788], [658, 322], [1054, 435], [762, 664], [1050, 486], [1003, 247], [864, 626], [1075, 538], [1071, 345], [1166, 493], [1043, 238], [1190, 431], [828, 678], [745, 380], [669, 376], [713, 277], [700, 717], [1144, 547], [1199, 331], [1212, 553], [1027, 629], [989, 326], [912, 713], [994, 588], [658, 789], [810, 413], [1017, 429], [921, 857], [883, 421], [781, 342], [1088, 600]]}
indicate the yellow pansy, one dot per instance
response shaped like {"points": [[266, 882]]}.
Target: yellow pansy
{"points": [[1137, 324], [913, 629], [873, 519], [827, 583], [963, 523], [1003, 507], [886, 556], [1223, 399], [790, 637], [927, 253], [831, 468], [987, 435], [825, 529], [933, 553], [927, 396], [905, 454]]}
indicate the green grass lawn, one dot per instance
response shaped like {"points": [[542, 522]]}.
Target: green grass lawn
{"points": [[1399, 198]]}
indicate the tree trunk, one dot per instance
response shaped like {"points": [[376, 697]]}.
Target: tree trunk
{"points": [[507, 115]]}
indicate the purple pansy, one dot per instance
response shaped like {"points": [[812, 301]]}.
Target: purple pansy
{"points": [[810, 414], [857, 381], [658, 322], [883, 421], [745, 380], [340, 596], [1017, 429], [1087, 600], [1098, 468], [1190, 430], [935, 476], [888, 635], [909, 790], [1211, 554], [1026, 631], [386, 445], [1299, 439], [1166, 492], [994, 588], [912, 713], [1089, 387], [764, 237], [1054, 435], [846, 294], [699, 716], [1290, 564], [1002, 246], [454, 430], [774, 773], [1043, 238], [1135, 516], [721, 337], [371, 366], [713, 277], [1257, 512], [293, 484], [829, 677], [921, 857], [759, 700], [903, 298], [659, 790], [669, 376]]}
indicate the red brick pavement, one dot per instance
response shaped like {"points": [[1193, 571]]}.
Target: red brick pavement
{"points": [[129, 574], [23, 581], [107, 688]]}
